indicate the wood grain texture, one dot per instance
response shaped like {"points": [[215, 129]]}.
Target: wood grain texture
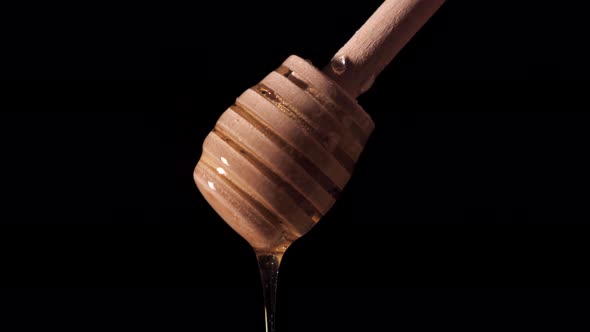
{"points": [[356, 65], [278, 159]]}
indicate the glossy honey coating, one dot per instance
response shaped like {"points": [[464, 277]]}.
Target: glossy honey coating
{"points": [[278, 158]]}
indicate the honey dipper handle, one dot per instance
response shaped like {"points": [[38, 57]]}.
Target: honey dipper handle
{"points": [[356, 65]]}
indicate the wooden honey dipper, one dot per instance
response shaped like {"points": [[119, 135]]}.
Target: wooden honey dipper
{"points": [[280, 156]]}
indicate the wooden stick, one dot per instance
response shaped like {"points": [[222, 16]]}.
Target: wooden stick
{"points": [[356, 65]]}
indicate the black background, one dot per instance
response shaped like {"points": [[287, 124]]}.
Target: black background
{"points": [[468, 210]]}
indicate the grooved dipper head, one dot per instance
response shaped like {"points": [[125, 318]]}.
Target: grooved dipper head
{"points": [[278, 158]]}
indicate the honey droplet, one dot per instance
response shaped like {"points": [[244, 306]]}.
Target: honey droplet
{"points": [[339, 65]]}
